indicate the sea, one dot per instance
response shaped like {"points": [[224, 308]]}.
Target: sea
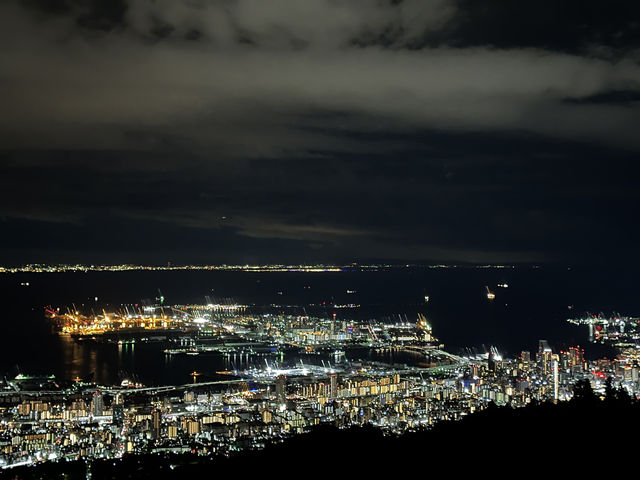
{"points": [[535, 305]]}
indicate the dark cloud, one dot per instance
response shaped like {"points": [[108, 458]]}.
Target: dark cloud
{"points": [[573, 26], [464, 199], [323, 130]]}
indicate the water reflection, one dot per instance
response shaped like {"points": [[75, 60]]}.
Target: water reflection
{"points": [[110, 363]]}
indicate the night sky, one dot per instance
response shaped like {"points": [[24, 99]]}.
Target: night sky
{"points": [[265, 131]]}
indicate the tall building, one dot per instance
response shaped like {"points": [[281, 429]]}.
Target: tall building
{"points": [[97, 404], [267, 417], [193, 427], [576, 356], [157, 422], [281, 389], [118, 414], [189, 397], [543, 357], [554, 372], [334, 386]]}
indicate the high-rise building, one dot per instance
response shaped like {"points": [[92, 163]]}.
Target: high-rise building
{"points": [[189, 397], [193, 427], [281, 389], [157, 422], [97, 404], [334, 386], [118, 414], [543, 357], [576, 355], [554, 372], [267, 416]]}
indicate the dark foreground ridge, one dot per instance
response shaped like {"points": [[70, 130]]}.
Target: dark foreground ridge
{"points": [[585, 435]]}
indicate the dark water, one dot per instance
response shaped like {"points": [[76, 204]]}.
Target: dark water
{"points": [[533, 307]]}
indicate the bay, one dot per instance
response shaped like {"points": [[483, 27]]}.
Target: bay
{"points": [[534, 306]]}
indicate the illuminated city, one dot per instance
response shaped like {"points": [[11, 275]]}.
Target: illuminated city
{"points": [[335, 238], [45, 268], [278, 394]]}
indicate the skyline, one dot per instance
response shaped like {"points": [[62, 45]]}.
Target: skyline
{"points": [[270, 233], [207, 132], [62, 267], [280, 377]]}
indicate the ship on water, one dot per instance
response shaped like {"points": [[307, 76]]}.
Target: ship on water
{"points": [[490, 294]]}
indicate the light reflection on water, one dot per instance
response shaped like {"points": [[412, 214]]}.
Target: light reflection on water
{"points": [[533, 307], [110, 363]]}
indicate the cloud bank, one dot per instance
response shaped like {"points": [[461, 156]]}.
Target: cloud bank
{"points": [[323, 123]]}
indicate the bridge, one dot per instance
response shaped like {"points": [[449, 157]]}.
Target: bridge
{"points": [[128, 391]]}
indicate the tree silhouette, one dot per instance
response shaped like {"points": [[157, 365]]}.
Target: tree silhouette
{"points": [[610, 394], [583, 393], [616, 396]]}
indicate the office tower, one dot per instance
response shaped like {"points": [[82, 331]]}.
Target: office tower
{"points": [[118, 414], [97, 404], [334, 386], [544, 357], [157, 422], [554, 370]]}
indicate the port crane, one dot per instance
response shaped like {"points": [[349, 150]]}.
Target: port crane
{"points": [[372, 333]]}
